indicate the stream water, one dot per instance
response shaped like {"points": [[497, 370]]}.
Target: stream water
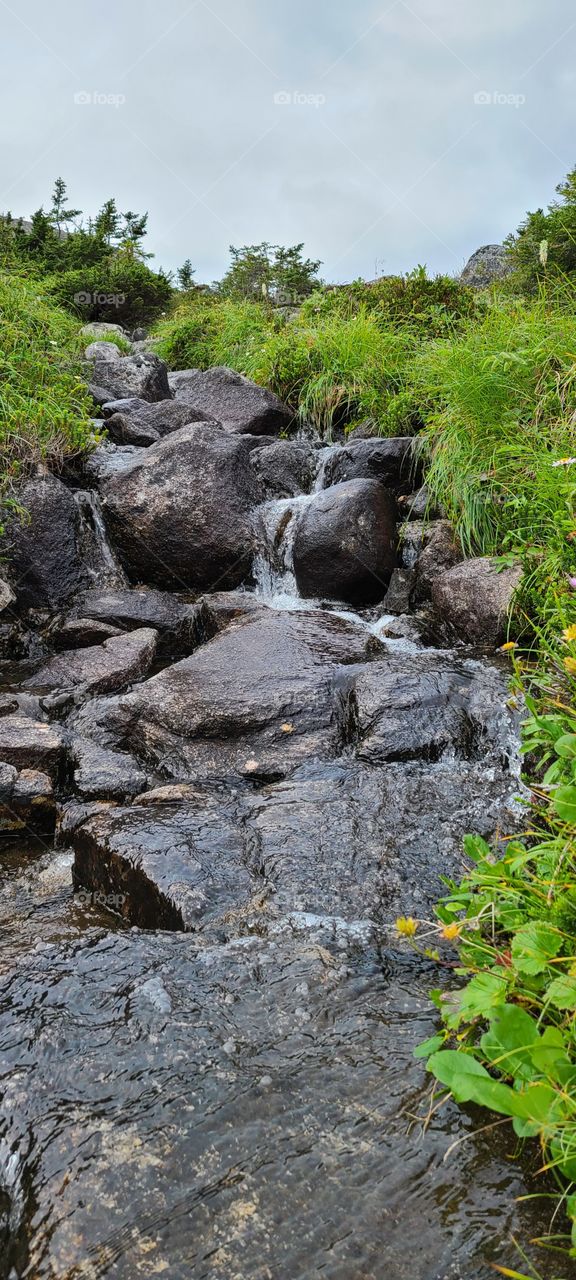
{"points": [[245, 1105]]}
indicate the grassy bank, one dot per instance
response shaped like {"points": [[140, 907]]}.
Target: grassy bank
{"points": [[488, 385], [44, 405]]}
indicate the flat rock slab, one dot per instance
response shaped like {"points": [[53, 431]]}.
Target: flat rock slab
{"points": [[31, 744], [99, 668], [237, 1111], [178, 623], [100, 774], [183, 868]]}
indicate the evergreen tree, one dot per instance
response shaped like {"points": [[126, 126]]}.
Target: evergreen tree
{"points": [[59, 215], [185, 276]]}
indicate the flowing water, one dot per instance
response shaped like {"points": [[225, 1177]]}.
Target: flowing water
{"points": [[247, 1106]]}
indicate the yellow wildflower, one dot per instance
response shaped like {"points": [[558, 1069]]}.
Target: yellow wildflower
{"points": [[510, 644], [451, 931], [406, 926], [570, 664], [569, 633]]}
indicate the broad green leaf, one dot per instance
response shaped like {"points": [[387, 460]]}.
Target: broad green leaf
{"points": [[484, 992], [566, 746], [534, 946], [562, 992], [509, 1040], [476, 848], [428, 1046], [565, 803], [549, 1054]]}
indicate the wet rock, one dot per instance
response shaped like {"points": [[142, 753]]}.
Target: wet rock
{"points": [[473, 600], [224, 607], [43, 551], [137, 422], [108, 460], [181, 516], [171, 793], [417, 506], [487, 265], [255, 701], [80, 633], [99, 668], [389, 460], [399, 593], [72, 814], [31, 744], [428, 704], [344, 545], [33, 799], [7, 596], [240, 405], [286, 468], [441, 551], [180, 626], [142, 375], [176, 869], [105, 775]]}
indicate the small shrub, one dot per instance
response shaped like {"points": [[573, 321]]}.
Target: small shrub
{"points": [[119, 290]]}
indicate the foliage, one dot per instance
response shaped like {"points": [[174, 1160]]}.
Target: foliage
{"points": [[44, 406], [431, 307], [267, 272], [203, 331], [544, 246], [121, 290], [185, 276]]}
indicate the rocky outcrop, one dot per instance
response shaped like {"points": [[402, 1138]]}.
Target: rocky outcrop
{"points": [[142, 375], [181, 515], [99, 668], [344, 545], [473, 600], [43, 553], [487, 266], [240, 405]]}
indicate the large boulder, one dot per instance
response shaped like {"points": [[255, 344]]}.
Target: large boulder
{"points": [[31, 744], [181, 515], [142, 375], [389, 460], [240, 405], [344, 544], [268, 692], [135, 421], [43, 548], [473, 600], [109, 459], [180, 626], [99, 668], [430, 549], [285, 468], [487, 266]]}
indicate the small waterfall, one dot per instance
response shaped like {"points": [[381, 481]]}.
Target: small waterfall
{"points": [[273, 567], [324, 457], [97, 553]]}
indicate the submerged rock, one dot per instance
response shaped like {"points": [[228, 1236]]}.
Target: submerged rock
{"points": [[181, 515], [344, 544], [239, 404]]}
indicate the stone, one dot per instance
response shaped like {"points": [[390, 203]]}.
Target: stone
{"points": [[418, 506], [80, 633], [108, 460], [181, 868], [71, 815], [43, 555], [239, 404], [33, 799], [7, 595], [181, 626], [171, 793], [441, 551], [251, 704], [399, 593], [99, 668], [285, 468], [487, 266], [97, 328], [142, 375], [100, 774], [137, 422], [473, 600], [344, 544], [390, 460], [182, 515], [31, 744]]}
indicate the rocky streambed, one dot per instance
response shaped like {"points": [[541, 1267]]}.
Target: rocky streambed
{"points": [[250, 706]]}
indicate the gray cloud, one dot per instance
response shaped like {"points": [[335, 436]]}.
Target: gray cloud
{"points": [[380, 158]]}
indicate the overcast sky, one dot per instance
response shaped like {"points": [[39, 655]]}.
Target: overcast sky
{"points": [[353, 125]]}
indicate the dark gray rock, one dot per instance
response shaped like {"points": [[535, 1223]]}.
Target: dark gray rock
{"points": [[137, 422], [389, 460], [31, 744], [105, 775], [181, 516], [240, 405], [33, 800], [418, 506], [99, 668], [473, 600], [441, 550], [108, 460], [142, 375], [71, 815], [487, 266], [80, 633], [399, 593], [180, 626], [344, 544], [44, 561], [285, 468]]}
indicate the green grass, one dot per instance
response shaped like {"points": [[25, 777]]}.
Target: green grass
{"points": [[117, 339], [44, 404]]}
